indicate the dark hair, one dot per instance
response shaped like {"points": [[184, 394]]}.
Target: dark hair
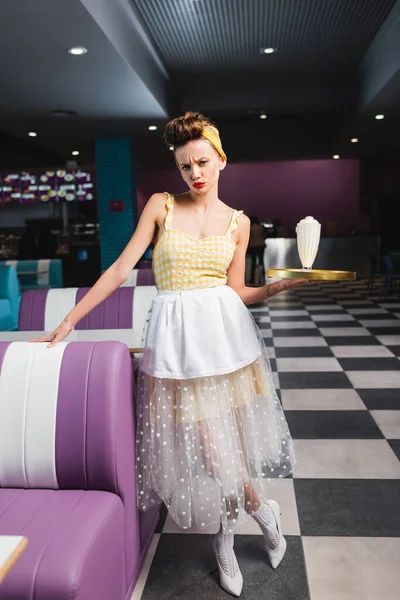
{"points": [[254, 220], [186, 128]]}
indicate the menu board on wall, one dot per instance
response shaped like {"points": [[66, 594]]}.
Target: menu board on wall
{"points": [[29, 188], [59, 185], [11, 188]]}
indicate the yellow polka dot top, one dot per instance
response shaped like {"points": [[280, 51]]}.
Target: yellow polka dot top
{"points": [[183, 262]]}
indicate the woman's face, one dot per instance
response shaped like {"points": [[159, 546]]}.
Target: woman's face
{"points": [[200, 165]]}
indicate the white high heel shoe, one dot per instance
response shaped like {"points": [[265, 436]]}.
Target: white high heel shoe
{"points": [[276, 556], [232, 585]]}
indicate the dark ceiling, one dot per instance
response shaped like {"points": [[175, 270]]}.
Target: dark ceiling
{"points": [[336, 64]]}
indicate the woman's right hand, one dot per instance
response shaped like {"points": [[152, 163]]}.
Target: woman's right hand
{"points": [[58, 334]]}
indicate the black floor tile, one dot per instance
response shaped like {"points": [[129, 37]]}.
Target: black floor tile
{"points": [[273, 364], [381, 399], [263, 325], [395, 350], [376, 316], [340, 507], [370, 364], [162, 519], [384, 330], [304, 352], [395, 445], [184, 567], [269, 342], [332, 424], [319, 380]]}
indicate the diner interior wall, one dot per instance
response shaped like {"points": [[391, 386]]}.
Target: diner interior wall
{"points": [[328, 190]]}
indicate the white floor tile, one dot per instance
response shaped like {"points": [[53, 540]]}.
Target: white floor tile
{"points": [[259, 308], [367, 311], [276, 381], [389, 305], [345, 459], [288, 313], [299, 342], [345, 331], [262, 320], [361, 352], [267, 333], [326, 399], [351, 568], [308, 364], [389, 340], [388, 422], [271, 353], [322, 307], [293, 325], [374, 379], [139, 587], [342, 317]]}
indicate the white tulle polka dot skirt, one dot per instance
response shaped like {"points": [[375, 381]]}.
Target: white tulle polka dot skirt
{"points": [[211, 432]]}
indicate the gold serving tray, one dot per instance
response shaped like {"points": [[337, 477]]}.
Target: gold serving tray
{"points": [[316, 274]]}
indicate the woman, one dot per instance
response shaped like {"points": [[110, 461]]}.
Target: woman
{"points": [[256, 246], [211, 432]]}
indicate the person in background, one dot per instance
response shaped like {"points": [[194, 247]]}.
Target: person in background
{"points": [[256, 245]]}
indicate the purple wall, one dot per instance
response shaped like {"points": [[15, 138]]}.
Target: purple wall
{"points": [[326, 189]]}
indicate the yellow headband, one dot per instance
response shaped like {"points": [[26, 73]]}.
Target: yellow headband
{"points": [[211, 134]]}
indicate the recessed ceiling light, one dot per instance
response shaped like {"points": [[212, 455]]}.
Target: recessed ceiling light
{"points": [[379, 117], [354, 140], [336, 156], [32, 134], [152, 127], [269, 50], [77, 50], [75, 152], [263, 116]]}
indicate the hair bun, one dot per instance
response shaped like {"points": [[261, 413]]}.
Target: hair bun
{"points": [[183, 129]]}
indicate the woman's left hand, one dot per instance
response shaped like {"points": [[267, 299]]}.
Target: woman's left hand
{"points": [[286, 284]]}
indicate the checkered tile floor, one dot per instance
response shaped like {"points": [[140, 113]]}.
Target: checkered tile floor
{"points": [[335, 353]]}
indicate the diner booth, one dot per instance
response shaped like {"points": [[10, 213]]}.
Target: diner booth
{"points": [[69, 523]]}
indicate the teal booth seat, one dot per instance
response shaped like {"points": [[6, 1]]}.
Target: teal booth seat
{"points": [[9, 298], [38, 274]]}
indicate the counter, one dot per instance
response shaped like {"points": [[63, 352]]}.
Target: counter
{"points": [[353, 253]]}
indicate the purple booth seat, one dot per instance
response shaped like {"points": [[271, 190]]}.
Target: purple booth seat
{"points": [[125, 308], [67, 471], [139, 277]]}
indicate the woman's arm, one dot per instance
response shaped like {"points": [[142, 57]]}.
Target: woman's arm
{"points": [[118, 272], [236, 271]]}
